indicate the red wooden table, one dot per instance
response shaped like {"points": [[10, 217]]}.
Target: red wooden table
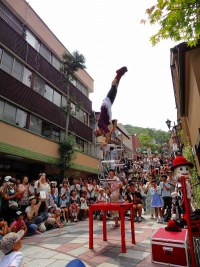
{"points": [[119, 206]]}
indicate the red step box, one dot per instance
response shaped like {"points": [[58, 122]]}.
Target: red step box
{"points": [[170, 248]]}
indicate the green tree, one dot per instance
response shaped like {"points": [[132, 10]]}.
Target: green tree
{"points": [[179, 20], [145, 140], [71, 63], [67, 149]]}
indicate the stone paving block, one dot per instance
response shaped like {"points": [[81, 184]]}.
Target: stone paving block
{"points": [[135, 254], [29, 250], [120, 261], [62, 256], [78, 251], [50, 246], [106, 264], [44, 254], [59, 263], [79, 240], [39, 263]]}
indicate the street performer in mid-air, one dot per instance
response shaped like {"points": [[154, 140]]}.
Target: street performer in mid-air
{"points": [[105, 116]]}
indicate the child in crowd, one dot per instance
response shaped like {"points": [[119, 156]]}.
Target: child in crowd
{"points": [[84, 206], [74, 211], [58, 223], [64, 208], [10, 245], [19, 223], [3, 228], [156, 202]]}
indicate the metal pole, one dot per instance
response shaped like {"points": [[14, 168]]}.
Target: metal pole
{"points": [[187, 213]]}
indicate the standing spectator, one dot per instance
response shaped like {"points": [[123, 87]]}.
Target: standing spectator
{"points": [[96, 189], [42, 185], [116, 185], [52, 198], [142, 190], [156, 201], [75, 187], [166, 196], [23, 194], [9, 199], [149, 197], [90, 191]]}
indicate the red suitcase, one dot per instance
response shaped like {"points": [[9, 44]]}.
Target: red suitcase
{"points": [[170, 248]]}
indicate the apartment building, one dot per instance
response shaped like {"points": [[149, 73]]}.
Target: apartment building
{"points": [[32, 94], [185, 69]]}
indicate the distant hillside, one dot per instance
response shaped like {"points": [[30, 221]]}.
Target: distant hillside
{"points": [[158, 135]]}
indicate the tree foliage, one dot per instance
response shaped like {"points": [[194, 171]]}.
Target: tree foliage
{"points": [[67, 148], [158, 135], [179, 20]]}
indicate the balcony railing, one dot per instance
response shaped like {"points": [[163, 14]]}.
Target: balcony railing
{"points": [[16, 43]]}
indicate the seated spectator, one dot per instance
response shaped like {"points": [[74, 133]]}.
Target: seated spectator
{"points": [[10, 245], [102, 195], [33, 221], [58, 223], [64, 202], [84, 206], [76, 199], [74, 208], [65, 190], [3, 228], [90, 191], [135, 197], [19, 223]]}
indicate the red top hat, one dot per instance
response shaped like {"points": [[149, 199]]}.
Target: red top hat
{"points": [[180, 161], [172, 226]]}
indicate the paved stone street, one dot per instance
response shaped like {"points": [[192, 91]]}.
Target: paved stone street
{"points": [[57, 247]]}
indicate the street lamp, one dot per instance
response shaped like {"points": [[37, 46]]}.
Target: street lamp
{"points": [[168, 122], [175, 128]]}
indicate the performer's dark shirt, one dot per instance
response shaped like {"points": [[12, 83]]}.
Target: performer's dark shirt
{"points": [[104, 120]]}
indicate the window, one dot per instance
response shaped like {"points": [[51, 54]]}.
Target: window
{"points": [[64, 101], [1, 52], [1, 108], [46, 129], [48, 93], [73, 81], [17, 70], [84, 90], [7, 62], [79, 85], [44, 51], [35, 124], [27, 76], [10, 113], [39, 85], [21, 117], [56, 62], [32, 40], [80, 143], [73, 109], [55, 135], [56, 98]]}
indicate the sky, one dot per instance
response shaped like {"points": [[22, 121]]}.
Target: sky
{"points": [[109, 34]]}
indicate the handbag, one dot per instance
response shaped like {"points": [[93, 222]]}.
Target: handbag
{"points": [[13, 205]]}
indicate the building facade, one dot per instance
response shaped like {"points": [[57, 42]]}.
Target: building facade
{"points": [[185, 69], [33, 94]]}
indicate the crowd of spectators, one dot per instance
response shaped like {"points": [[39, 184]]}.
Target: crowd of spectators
{"points": [[40, 205]]}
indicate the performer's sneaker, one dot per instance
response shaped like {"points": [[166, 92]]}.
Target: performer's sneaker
{"points": [[122, 71]]}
